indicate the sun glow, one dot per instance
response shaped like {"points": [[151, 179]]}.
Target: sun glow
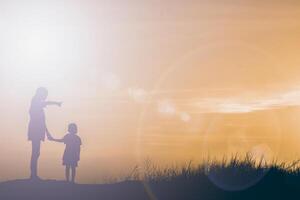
{"points": [[40, 46], [32, 58]]}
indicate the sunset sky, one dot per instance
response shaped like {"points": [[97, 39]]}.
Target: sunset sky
{"points": [[166, 80]]}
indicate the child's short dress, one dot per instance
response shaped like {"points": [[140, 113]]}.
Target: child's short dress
{"points": [[72, 151]]}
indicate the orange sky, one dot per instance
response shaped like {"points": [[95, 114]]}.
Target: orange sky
{"points": [[171, 81]]}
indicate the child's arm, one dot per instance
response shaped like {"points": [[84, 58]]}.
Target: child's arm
{"points": [[57, 140], [50, 103]]}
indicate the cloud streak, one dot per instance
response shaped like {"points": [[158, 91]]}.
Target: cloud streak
{"points": [[239, 105], [214, 103]]}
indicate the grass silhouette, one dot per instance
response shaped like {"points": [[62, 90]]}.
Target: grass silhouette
{"points": [[234, 178]]}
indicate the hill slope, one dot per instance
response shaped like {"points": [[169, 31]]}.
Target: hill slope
{"points": [[57, 190]]}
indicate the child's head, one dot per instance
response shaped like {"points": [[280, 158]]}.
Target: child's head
{"points": [[72, 128], [41, 93]]}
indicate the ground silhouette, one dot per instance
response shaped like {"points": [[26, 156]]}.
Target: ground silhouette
{"points": [[272, 182], [236, 178]]}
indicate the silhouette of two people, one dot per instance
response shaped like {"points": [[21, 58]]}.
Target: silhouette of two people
{"points": [[37, 131]]}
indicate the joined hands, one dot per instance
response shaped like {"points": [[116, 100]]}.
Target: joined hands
{"points": [[49, 136]]}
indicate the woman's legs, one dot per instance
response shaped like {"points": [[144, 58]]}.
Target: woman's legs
{"points": [[67, 173], [73, 174], [35, 154]]}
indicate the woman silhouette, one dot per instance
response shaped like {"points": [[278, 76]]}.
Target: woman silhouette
{"points": [[37, 126]]}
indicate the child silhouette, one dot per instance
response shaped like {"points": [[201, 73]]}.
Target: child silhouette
{"points": [[72, 151]]}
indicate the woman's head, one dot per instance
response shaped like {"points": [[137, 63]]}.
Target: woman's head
{"points": [[72, 128], [41, 93]]}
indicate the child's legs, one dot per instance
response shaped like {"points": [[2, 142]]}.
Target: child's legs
{"points": [[67, 172], [73, 173]]}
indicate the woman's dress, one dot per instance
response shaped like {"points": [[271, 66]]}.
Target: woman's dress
{"points": [[37, 123]]}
